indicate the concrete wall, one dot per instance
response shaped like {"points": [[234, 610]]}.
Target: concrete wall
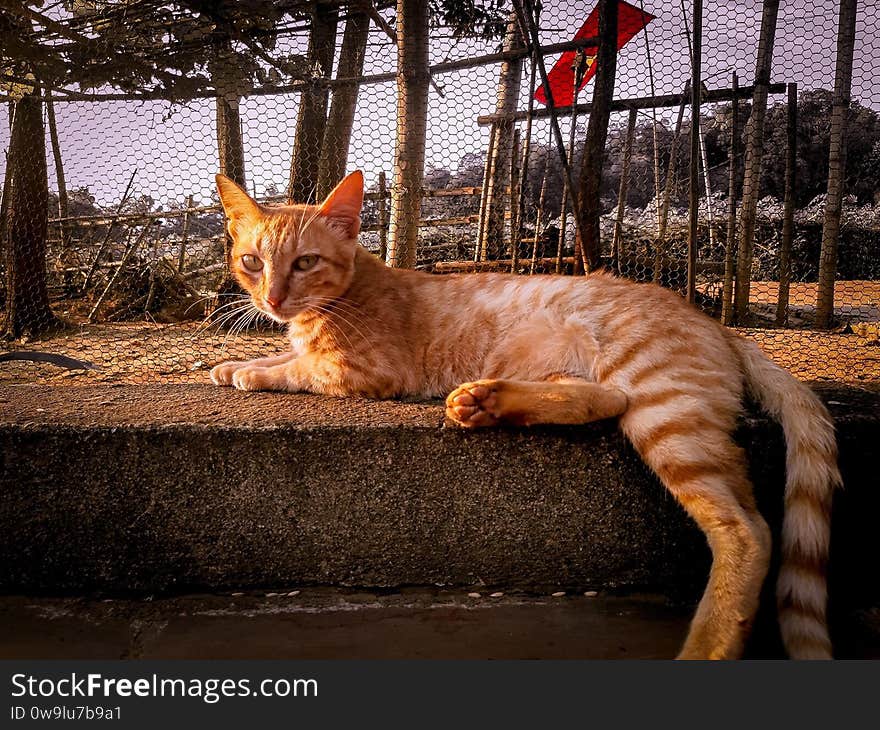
{"points": [[169, 488]]}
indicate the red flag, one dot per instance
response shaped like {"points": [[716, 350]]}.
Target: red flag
{"points": [[630, 20]]}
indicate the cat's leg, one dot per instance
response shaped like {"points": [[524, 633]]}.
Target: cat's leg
{"points": [[524, 403], [222, 374], [310, 372], [705, 470]]}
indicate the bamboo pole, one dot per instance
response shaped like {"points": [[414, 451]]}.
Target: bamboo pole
{"points": [[480, 249], [59, 166], [646, 34], [660, 101], [526, 155], [730, 243], [788, 210], [539, 220], [413, 79], [383, 217], [663, 215], [622, 191], [515, 182], [707, 185], [846, 32], [527, 16], [694, 198], [509, 82], [579, 67], [754, 150]]}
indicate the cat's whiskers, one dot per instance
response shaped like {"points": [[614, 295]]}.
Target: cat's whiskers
{"points": [[252, 314], [242, 306]]}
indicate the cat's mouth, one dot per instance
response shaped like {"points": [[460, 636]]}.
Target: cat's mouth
{"points": [[281, 314]]}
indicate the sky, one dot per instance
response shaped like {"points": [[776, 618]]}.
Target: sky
{"points": [[173, 148]]}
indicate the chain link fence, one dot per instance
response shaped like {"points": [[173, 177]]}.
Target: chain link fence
{"points": [[120, 112]]}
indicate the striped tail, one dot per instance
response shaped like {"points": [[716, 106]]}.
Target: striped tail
{"points": [[811, 477]]}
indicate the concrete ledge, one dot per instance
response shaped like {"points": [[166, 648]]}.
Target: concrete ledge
{"points": [[169, 488]]}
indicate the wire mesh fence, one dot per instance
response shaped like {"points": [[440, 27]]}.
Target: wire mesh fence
{"points": [[119, 114]]}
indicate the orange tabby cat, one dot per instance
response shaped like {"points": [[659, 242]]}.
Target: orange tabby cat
{"points": [[552, 349]]}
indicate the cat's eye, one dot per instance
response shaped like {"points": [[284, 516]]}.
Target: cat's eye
{"points": [[304, 263], [251, 263]]}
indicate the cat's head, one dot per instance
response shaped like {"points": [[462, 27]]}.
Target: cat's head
{"points": [[290, 257]]}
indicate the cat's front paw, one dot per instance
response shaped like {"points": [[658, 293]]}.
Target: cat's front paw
{"points": [[222, 374], [474, 405], [250, 378]]}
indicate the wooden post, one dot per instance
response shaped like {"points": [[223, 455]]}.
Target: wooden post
{"points": [[846, 33], [539, 230], [580, 68], [186, 220], [337, 133], [26, 229], [413, 79], [311, 118], [514, 196], [707, 185], [59, 167], [597, 133], [754, 151], [694, 198], [383, 216], [526, 155], [788, 214], [480, 252], [509, 82], [670, 168], [730, 243], [527, 17], [622, 190]]}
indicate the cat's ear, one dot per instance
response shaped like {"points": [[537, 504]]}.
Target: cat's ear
{"points": [[239, 206], [342, 208]]}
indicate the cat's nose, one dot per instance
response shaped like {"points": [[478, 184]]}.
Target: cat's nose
{"points": [[274, 301]]}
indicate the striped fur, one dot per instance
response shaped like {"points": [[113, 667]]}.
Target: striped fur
{"points": [[545, 349]]}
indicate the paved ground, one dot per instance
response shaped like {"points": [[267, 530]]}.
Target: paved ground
{"points": [[325, 623]]}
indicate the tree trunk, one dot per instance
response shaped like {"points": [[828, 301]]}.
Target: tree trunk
{"points": [[230, 147], [754, 153], [337, 134], [27, 298], [312, 116], [846, 33], [590, 207], [509, 82], [413, 79]]}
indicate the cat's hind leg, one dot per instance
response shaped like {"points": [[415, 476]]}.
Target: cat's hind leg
{"points": [[560, 400]]}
